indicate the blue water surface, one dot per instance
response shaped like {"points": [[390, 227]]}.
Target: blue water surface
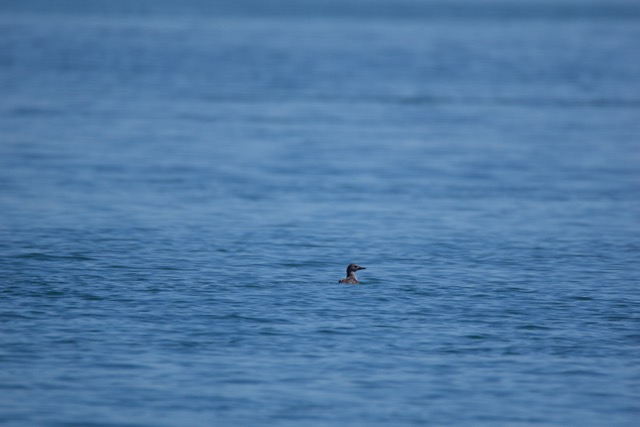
{"points": [[182, 184]]}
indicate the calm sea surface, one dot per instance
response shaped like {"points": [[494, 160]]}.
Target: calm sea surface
{"points": [[182, 185]]}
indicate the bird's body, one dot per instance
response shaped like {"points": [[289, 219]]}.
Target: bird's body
{"points": [[351, 274], [353, 280]]}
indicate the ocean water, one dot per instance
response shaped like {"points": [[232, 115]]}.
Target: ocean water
{"points": [[182, 184]]}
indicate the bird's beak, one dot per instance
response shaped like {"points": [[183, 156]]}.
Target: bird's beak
{"points": [[362, 268]]}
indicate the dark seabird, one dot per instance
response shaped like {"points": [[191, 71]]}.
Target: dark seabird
{"points": [[351, 274]]}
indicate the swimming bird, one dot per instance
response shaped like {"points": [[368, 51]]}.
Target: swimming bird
{"points": [[351, 274]]}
